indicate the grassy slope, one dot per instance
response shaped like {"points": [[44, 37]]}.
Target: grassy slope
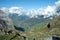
{"points": [[11, 35]]}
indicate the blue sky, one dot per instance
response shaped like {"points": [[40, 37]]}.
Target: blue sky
{"points": [[28, 4]]}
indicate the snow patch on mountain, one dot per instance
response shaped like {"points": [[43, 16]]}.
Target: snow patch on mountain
{"points": [[47, 12]]}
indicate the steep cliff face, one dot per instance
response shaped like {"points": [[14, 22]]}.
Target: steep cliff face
{"points": [[5, 21]]}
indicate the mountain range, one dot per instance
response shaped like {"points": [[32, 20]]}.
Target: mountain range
{"points": [[31, 28], [27, 23], [28, 19]]}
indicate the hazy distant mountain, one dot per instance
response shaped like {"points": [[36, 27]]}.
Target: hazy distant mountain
{"points": [[26, 22]]}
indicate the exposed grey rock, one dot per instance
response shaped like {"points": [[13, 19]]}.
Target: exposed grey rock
{"points": [[5, 22]]}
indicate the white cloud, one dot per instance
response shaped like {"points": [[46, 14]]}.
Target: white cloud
{"points": [[41, 11], [48, 11], [57, 6], [18, 10], [5, 9], [32, 13]]}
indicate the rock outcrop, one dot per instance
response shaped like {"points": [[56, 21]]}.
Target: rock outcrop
{"points": [[5, 22]]}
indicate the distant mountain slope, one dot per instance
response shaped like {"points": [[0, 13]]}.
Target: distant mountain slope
{"points": [[26, 22]]}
